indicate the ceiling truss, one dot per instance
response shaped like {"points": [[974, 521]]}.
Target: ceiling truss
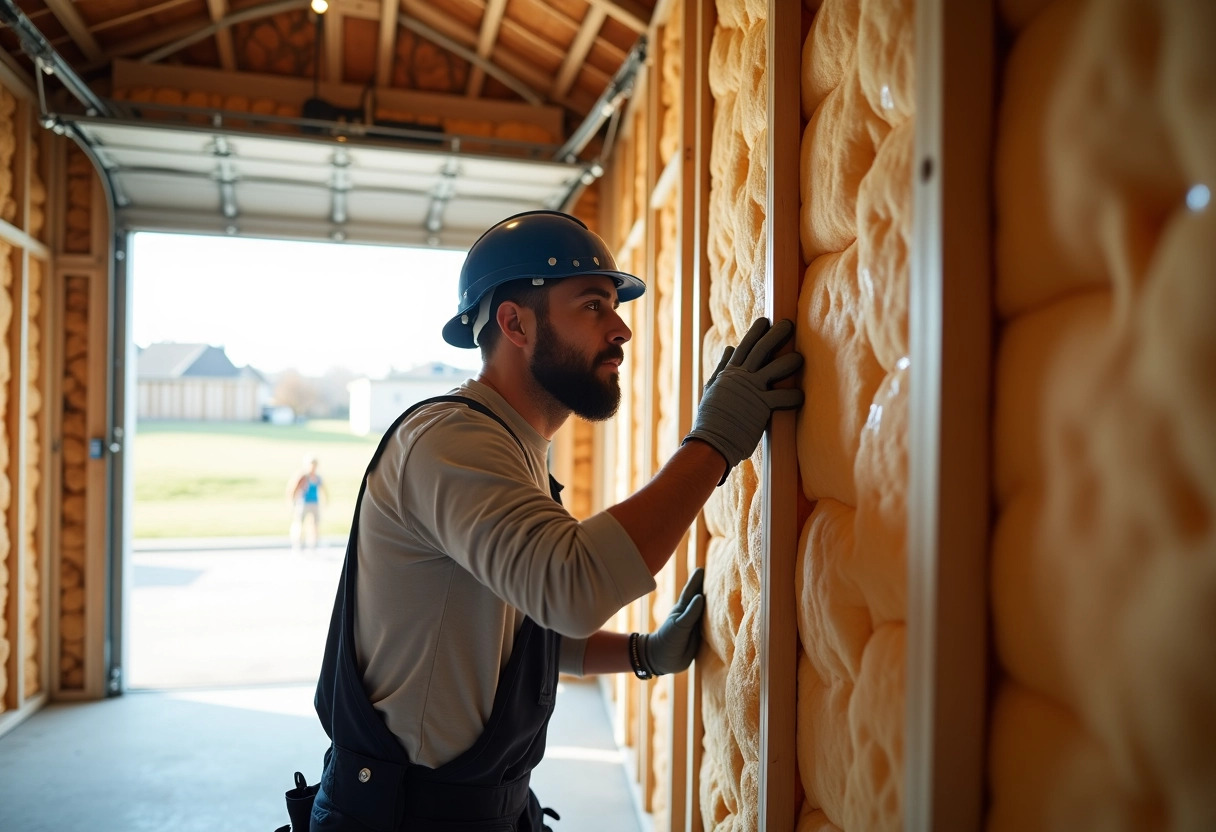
{"points": [[337, 180]]}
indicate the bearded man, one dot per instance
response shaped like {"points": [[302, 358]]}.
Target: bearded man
{"points": [[467, 586]]}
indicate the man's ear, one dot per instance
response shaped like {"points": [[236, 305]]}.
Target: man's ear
{"points": [[515, 321]]}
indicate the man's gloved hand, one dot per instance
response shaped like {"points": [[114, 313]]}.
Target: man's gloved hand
{"points": [[737, 401], [673, 646]]}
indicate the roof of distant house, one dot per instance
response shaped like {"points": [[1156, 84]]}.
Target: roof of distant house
{"points": [[430, 370], [168, 359]]}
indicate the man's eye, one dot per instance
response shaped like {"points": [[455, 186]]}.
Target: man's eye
{"points": [[594, 306]]}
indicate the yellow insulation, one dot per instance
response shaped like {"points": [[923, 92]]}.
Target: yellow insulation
{"points": [[1104, 549], [857, 83], [728, 663]]}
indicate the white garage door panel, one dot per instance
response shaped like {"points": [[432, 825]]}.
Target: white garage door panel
{"points": [[119, 134], [429, 162], [286, 199], [482, 189], [127, 157], [373, 207], [150, 188], [184, 178], [381, 180], [281, 170]]}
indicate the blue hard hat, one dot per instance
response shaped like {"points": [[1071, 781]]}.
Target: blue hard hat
{"points": [[543, 245]]}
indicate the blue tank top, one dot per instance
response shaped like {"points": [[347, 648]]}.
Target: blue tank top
{"points": [[310, 489]]}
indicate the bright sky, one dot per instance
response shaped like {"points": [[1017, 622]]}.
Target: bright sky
{"points": [[309, 306]]}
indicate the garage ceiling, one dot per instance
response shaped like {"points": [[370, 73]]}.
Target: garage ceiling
{"points": [[568, 64]]}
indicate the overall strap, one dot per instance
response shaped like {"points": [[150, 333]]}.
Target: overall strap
{"points": [[334, 686]]}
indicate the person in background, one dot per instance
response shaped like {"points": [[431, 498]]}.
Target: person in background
{"points": [[467, 585], [306, 492]]}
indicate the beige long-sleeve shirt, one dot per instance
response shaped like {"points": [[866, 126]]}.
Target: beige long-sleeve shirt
{"points": [[459, 541]]}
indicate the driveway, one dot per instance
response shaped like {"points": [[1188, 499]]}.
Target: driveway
{"points": [[214, 613]]}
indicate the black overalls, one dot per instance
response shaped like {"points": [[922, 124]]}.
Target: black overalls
{"points": [[370, 785]]}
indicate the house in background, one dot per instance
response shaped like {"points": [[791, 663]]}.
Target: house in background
{"points": [[197, 382], [375, 403]]}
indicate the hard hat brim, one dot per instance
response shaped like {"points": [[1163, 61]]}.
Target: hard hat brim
{"points": [[460, 334]]}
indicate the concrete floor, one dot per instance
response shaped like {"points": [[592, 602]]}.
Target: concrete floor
{"points": [[211, 740]]}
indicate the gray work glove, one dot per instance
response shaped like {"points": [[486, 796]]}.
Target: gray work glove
{"points": [[673, 646], [737, 401]]}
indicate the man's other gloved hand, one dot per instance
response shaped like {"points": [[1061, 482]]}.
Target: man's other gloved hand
{"points": [[737, 401], [673, 646]]}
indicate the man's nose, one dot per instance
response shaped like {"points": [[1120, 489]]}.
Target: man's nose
{"points": [[621, 332]]}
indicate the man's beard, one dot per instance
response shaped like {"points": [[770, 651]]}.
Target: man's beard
{"points": [[571, 379]]}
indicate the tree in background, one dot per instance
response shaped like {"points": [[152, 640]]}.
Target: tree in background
{"points": [[333, 390], [315, 398], [301, 394]]}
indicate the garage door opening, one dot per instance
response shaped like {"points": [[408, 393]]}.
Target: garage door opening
{"points": [[252, 359]]}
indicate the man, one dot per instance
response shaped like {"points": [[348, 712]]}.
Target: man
{"points": [[467, 585], [305, 493]]}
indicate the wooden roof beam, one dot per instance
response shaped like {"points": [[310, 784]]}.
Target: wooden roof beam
{"points": [[294, 90], [628, 12], [332, 24], [223, 37], [122, 19], [387, 44], [577, 53], [65, 12], [441, 29], [491, 22], [169, 40], [365, 9], [522, 68]]}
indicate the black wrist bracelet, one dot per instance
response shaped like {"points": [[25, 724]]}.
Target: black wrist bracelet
{"points": [[635, 659]]}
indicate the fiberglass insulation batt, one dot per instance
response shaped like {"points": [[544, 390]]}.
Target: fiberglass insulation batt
{"points": [[1103, 564], [728, 662], [857, 84], [857, 97], [1103, 558], [22, 374]]}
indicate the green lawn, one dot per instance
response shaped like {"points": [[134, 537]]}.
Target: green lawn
{"points": [[219, 479]]}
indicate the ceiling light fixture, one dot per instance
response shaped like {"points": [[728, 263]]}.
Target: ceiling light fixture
{"points": [[319, 6]]}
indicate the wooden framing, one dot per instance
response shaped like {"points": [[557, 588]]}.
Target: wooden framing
{"points": [[333, 24], [778, 611], [588, 31], [627, 12], [447, 32], [645, 336], [625, 703], [18, 705], [129, 74], [685, 758], [93, 267], [948, 443], [386, 42], [18, 350], [67, 15], [217, 10], [698, 129]]}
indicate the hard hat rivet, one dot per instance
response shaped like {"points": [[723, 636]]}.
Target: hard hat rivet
{"points": [[552, 261], [576, 264], [595, 260], [464, 319]]}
